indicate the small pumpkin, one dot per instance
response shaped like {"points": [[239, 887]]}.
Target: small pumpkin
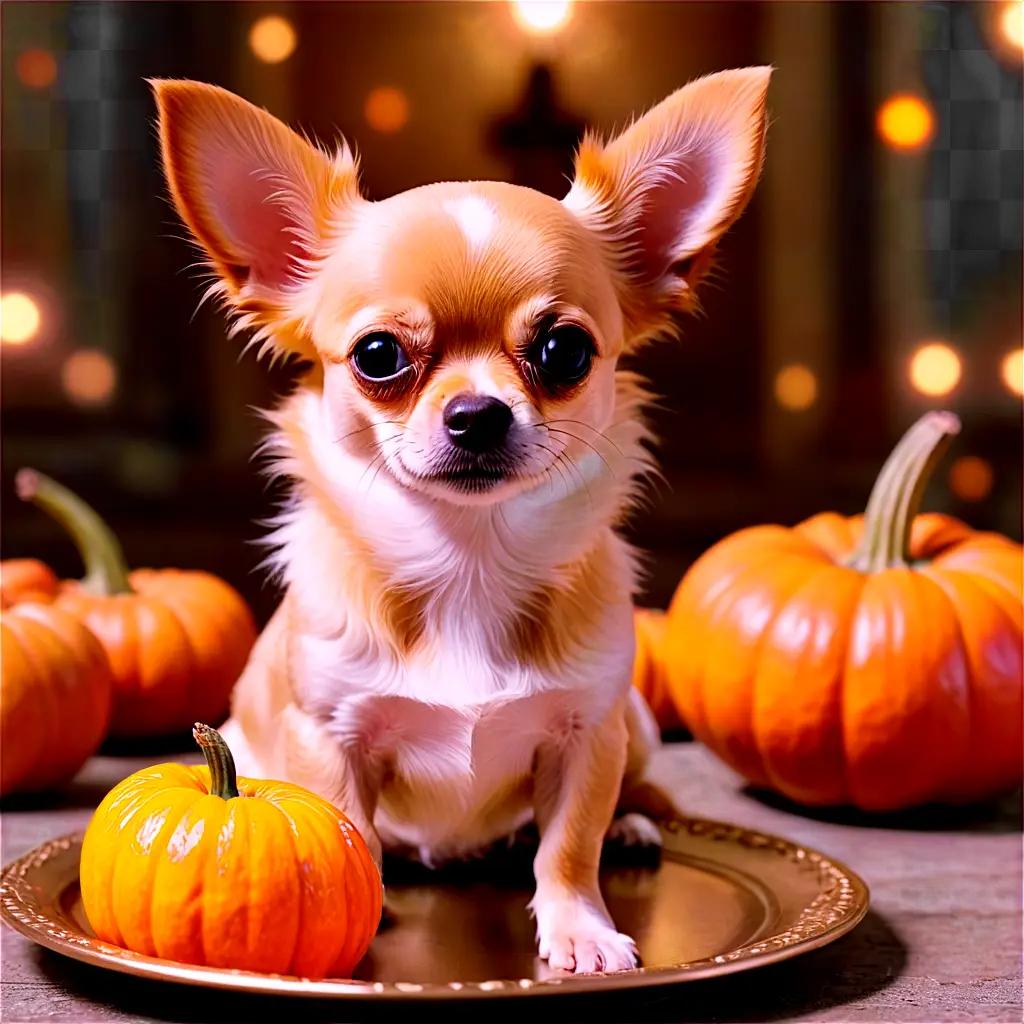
{"points": [[873, 661], [195, 865], [649, 675], [177, 640], [55, 696]]}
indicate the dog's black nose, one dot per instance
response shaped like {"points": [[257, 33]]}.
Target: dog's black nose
{"points": [[477, 423]]}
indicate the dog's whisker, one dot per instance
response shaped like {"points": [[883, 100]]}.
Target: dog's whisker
{"points": [[593, 430], [380, 457], [370, 426], [576, 437]]}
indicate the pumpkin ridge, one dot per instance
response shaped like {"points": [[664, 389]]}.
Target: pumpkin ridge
{"points": [[51, 713], [156, 626], [748, 575], [126, 858], [811, 582], [39, 714], [691, 600], [985, 572], [182, 807], [779, 605], [964, 769], [326, 843], [351, 944], [950, 581], [911, 670], [290, 822], [92, 659], [194, 678]]}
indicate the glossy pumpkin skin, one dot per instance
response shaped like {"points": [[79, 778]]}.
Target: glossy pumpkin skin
{"points": [[649, 674], [834, 686], [274, 880], [55, 699], [176, 640], [177, 643]]}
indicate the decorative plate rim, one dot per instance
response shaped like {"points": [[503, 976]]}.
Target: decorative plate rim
{"points": [[840, 905]]}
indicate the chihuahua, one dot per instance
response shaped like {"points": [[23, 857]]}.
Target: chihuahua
{"points": [[452, 655]]}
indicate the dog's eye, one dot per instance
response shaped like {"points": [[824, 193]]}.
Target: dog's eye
{"points": [[379, 356], [562, 354]]}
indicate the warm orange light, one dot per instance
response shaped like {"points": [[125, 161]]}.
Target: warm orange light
{"points": [[36, 68], [542, 17], [905, 122], [273, 39], [1011, 23], [19, 318], [935, 369], [971, 478], [89, 377], [386, 109], [796, 387], [1012, 371]]}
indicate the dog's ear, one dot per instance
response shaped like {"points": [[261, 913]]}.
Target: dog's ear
{"points": [[662, 193], [259, 199]]}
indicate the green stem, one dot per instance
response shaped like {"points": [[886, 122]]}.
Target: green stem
{"points": [[223, 782], [896, 497], [105, 568]]}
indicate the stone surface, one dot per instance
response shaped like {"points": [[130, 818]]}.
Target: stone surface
{"points": [[942, 941]]}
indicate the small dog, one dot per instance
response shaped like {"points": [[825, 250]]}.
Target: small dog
{"points": [[453, 652]]}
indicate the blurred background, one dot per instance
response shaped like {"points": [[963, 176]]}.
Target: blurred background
{"points": [[877, 273]]}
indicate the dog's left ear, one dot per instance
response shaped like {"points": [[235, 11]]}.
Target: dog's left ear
{"points": [[662, 193]]}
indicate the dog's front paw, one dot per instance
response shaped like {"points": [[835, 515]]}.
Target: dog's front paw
{"points": [[634, 830], [574, 935]]}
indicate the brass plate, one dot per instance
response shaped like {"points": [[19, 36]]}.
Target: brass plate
{"points": [[723, 899]]}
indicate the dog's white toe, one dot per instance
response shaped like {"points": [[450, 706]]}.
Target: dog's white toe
{"points": [[573, 935], [634, 829]]}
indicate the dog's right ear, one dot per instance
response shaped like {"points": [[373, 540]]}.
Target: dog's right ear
{"points": [[259, 199]]}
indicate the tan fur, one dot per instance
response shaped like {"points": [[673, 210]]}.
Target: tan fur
{"points": [[449, 661]]}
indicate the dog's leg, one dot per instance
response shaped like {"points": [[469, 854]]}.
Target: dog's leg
{"points": [[641, 803], [311, 757], [576, 785]]}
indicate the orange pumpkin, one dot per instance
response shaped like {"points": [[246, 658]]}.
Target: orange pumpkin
{"points": [[649, 675], [873, 661], [192, 864], [55, 696], [177, 640]]}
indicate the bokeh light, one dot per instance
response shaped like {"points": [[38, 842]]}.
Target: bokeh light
{"points": [[273, 39], [905, 122], [796, 387], [971, 478], [1011, 23], [89, 377], [935, 369], [542, 17], [386, 109], [36, 68], [19, 318], [1012, 371]]}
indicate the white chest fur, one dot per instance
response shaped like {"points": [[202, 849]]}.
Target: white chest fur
{"points": [[454, 721]]}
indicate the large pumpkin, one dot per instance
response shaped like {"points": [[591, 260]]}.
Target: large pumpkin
{"points": [[55, 695], [649, 675], [873, 661], [192, 864], [177, 639]]}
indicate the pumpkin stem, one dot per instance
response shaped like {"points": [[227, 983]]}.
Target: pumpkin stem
{"points": [[896, 497], [105, 568], [223, 781]]}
